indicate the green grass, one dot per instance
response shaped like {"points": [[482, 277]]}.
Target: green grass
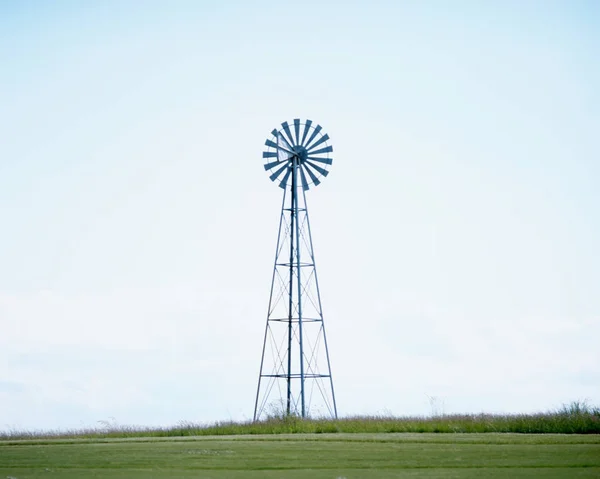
{"points": [[325, 455], [576, 418]]}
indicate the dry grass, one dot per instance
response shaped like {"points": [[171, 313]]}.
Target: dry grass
{"points": [[576, 418]]}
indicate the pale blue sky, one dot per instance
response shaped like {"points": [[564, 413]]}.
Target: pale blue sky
{"points": [[456, 236]]}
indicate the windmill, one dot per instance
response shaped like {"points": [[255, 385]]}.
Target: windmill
{"points": [[295, 371]]}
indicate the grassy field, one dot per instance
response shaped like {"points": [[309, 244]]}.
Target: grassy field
{"points": [[562, 443], [331, 456]]}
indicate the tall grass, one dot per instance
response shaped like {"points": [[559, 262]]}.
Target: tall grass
{"points": [[575, 418]]}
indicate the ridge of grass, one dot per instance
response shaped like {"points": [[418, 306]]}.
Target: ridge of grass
{"points": [[575, 418]]}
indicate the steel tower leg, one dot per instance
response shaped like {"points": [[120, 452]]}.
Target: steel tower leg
{"points": [[262, 360], [320, 308], [299, 284]]}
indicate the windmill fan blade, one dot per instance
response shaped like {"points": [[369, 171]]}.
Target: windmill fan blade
{"points": [[313, 178], [323, 139], [312, 137], [269, 154], [283, 183], [278, 172], [327, 149], [272, 144], [286, 128], [323, 171], [325, 161], [297, 130], [268, 166], [303, 179], [280, 137], [306, 129]]}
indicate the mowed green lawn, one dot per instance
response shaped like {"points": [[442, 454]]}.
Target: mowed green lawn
{"points": [[329, 456]]}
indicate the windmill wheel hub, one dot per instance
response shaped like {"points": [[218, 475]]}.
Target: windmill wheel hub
{"points": [[300, 152]]}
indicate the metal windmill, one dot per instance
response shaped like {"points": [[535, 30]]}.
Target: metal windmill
{"points": [[295, 371]]}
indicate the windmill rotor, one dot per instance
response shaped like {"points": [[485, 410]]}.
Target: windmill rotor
{"points": [[301, 145]]}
